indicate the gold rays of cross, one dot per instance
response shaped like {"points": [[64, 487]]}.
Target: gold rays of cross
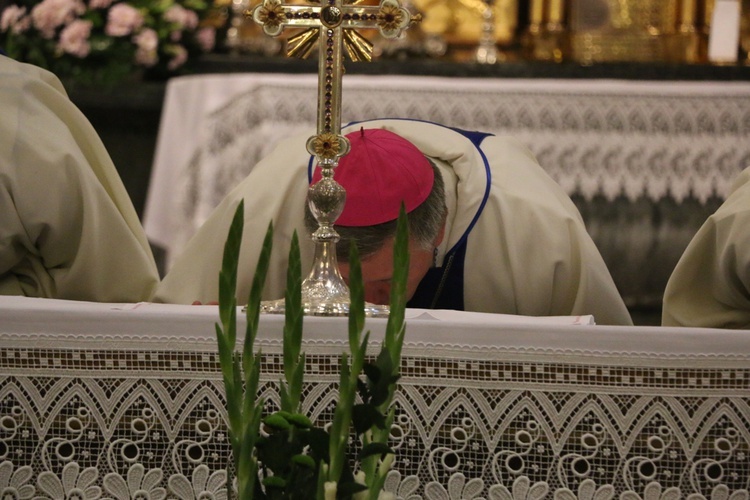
{"points": [[388, 17]]}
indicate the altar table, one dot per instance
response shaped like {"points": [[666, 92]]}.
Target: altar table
{"points": [[608, 138], [114, 399]]}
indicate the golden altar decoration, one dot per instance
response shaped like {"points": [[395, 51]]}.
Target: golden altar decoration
{"points": [[460, 21], [585, 31], [639, 30]]}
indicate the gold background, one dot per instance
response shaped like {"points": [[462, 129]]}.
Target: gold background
{"points": [[460, 21]]}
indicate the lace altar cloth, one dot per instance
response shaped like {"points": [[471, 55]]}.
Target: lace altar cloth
{"points": [[126, 401], [594, 137]]}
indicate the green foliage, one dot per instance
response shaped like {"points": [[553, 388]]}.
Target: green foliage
{"points": [[243, 410], [376, 456], [292, 457]]}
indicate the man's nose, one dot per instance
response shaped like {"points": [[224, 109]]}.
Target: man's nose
{"points": [[378, 293]]}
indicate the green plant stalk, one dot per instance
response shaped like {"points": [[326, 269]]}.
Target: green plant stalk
{"points": [[252, 410], [243, 411], [294, 360], [254, 299], [374, 468], [339, 433], [226, 333], [320, 493], [395, 330], [342, 416]]}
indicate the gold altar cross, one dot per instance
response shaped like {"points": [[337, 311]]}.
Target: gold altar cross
{"points": [[333, 22]]}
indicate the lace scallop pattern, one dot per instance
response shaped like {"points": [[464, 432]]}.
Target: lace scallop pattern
{"points": [[90, 422]]}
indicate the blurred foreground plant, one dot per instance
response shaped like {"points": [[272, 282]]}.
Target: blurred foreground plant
{"points": [[283, 455]]}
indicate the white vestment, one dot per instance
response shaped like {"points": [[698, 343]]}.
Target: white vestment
{"points": [[68, 228], [527, 253], [710, 285]]}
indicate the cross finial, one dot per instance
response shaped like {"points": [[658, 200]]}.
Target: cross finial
{"points": [[333, 24]]}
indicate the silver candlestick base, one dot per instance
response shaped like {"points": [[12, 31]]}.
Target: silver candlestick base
{"points": [[324, 308], [324, 291]]}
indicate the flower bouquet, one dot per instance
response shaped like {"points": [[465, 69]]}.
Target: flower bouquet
{"points": [[101, 42], [283, 454]]}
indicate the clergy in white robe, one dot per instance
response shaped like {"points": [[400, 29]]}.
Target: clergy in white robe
{"points": [[710, 285], [68, 228], [522, 244]]}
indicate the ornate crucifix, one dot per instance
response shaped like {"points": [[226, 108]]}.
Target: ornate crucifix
{"points": [[332, 24]]}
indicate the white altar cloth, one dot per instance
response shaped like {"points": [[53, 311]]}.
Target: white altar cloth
{"points": [[27, 316], [595, 137], [118, 397]]}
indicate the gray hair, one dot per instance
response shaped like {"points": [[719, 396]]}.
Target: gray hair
{"points": [[424, 222]]}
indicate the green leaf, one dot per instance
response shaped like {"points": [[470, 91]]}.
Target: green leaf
{"points": [[229, 264], [372, 372], [296, 383], [238, 394], [232, 390], [299, 420], [374, 449], [383, 375], [293, 328], [225, 359], [395, 325], [274, 482], [365, 416], [256, 292], [293, 305], [347, 490], [382, 387], [356, 299], [318, 440], [363, 389], [304, 461], [339, 430], [252, 379], [277, 449], [247, 462], [277, 422], [284, 397]]}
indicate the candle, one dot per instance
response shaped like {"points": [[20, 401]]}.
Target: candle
{"points": [[536, 12], [556, 11], [687, 13]]}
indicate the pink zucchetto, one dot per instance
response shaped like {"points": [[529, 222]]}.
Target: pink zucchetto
{"points": [[381, 171]]}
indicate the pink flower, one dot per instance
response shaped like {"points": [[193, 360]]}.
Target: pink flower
{"points": [[14, 18], [74, 38], [49, 15], [206, 38], [99, 4], [122, 20], [182, 17], [179, 58], [147, 42]]}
